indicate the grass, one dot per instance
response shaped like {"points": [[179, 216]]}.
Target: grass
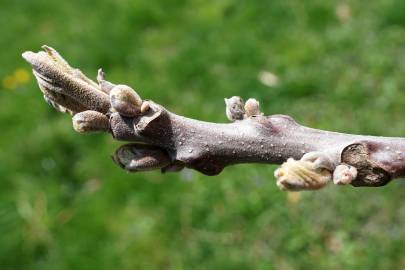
{"points": [[65, 205]]}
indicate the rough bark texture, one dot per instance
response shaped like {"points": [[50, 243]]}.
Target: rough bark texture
{"points": [[166, 141]]}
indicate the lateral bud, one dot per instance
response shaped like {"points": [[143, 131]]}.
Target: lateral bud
{"points": [[90, 121], [125, 100], [138, 157]]}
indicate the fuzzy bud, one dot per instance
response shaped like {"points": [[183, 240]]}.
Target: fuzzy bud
{"points": [[344, 174], [234, 108], [252, 107], [296, 175], [90, 121], [125, 100]]}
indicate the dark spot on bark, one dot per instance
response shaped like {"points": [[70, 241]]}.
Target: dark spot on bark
{"points": [[370, 173]]}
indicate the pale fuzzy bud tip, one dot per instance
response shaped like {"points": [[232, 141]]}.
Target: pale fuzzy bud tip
{"points": [[344, 174], [252, 107], [145, 106], [90, 121], [234, 108], [296, 175]]}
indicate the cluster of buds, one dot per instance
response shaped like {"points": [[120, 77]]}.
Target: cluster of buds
{"points": [[237, 109], [93, 105], [313, 171]]}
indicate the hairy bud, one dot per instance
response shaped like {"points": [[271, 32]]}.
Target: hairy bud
{"points": [[252, 107], [296, 175], [344, 174], [125, 100], [145, 106], [90, 121], [234, 108]]}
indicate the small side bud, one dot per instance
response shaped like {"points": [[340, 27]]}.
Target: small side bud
{"points": [[125, 100], [344, 174], [138, 157], [145, 106], [90, 121], [234, 108], [252, 107]]}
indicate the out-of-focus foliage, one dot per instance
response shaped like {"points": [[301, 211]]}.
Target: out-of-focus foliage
{"points": [[337, 65]]}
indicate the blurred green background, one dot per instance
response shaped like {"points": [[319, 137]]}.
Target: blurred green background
{"points": [[336, 65]]}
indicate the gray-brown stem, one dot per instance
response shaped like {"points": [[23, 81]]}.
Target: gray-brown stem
{"points": [[209, 147]]}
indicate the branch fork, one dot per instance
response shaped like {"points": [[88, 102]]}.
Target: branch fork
{"points": [[162, 140]]}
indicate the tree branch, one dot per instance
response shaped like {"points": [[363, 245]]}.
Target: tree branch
{"points": [[163, 140]]}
